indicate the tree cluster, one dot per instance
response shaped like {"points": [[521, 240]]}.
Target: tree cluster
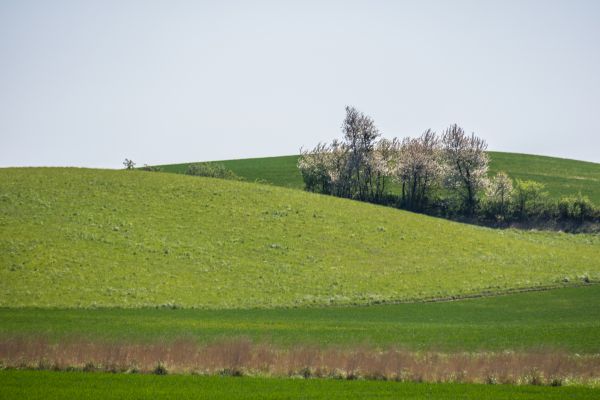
{"points": [[444, 175]]}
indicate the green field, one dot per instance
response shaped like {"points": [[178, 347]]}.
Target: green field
{"points": [[85, 238], [561, 319], [70, 385], [279, 171], [562, 177], [125, 257]]}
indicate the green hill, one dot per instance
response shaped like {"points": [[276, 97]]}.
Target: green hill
{"points": [[80, 238], [562, 177]]}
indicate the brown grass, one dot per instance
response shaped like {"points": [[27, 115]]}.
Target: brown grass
{"points": [[242, 357]]}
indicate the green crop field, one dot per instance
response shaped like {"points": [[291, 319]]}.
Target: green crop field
{"points": [[70, 385], [85, 238], [560, 319], [562, 177], [279, 171]]}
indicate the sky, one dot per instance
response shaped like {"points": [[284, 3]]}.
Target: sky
{"points": [[89, 83]]}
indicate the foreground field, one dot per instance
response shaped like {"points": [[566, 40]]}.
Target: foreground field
{"points": [[561, 319], [562, 177], [86, 238], [544, 338], [68, 385]]}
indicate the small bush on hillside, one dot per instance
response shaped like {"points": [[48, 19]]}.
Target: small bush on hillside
{"points": [[529, 199], [578, 208], [211, 170]]}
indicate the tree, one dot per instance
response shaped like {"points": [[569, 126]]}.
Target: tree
{"points": [[419, 169], [384, 162], [360, 136], [313, 166], [352, 167], [129, 164], [467, 166], [498, 195], [336, 163]]}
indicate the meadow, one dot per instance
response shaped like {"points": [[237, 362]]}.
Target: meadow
{"points": [[561, 177], [558, 320], [99, 238], [126, 270], [49, 385]]}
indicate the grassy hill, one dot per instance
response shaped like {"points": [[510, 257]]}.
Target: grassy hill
{"points": [[561, 176], [84, 238]]}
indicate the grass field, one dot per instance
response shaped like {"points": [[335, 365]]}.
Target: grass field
{"points": [[69, 385], [279, 171], [98, 265], [561, 319], [85, 238], [562, 177]]}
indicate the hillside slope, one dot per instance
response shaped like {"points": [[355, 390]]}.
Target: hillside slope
{"points": [[562, 177], [79, 237]]}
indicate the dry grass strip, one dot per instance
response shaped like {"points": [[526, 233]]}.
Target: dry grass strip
{"points": [[242, 357]]}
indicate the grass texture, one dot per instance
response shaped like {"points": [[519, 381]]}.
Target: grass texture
{"points": [[47, 385], [561, 319], [562, 177], [89, 238]]}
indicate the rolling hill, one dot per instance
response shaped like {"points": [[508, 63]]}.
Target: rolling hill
{"points": [[101, 238], [562, 177]]}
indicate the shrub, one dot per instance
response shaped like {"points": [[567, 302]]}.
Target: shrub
{"points": [[578, 208], [529, 199], [211, 170]]}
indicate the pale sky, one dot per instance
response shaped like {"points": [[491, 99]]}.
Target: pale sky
{"points": [[88, 83]]}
